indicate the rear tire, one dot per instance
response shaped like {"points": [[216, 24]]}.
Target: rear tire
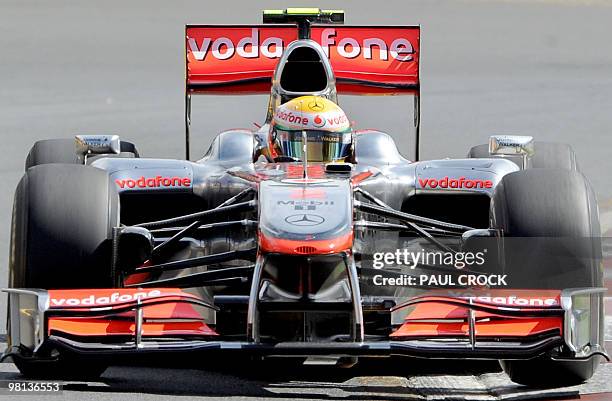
{"points": [[49, 151], [551, 231], [63, 150], [547, 155]]}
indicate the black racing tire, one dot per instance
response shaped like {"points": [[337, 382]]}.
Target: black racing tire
{"points": [[61, 231], [53, 151], [550, 224], [547, 155], [61, 234], [63, 150]]}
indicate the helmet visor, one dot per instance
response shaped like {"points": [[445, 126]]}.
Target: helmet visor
{"points": [[322, 146]]}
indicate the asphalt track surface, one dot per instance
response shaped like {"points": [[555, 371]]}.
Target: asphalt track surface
{"points": [[541, 68]]}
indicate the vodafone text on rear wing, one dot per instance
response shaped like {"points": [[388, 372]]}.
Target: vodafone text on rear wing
{"points": [[242, 59], [254, 59]]}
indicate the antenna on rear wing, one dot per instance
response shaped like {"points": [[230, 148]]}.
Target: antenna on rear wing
{"points": [[304, 18]]}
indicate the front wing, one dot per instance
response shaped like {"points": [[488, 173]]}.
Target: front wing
{"points": [[116, 322]]}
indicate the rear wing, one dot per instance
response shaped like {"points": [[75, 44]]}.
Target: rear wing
{"points": [[241, 59]]}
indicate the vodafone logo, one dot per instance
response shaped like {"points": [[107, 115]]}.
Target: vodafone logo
{"points": [[289, 117], [518, 301], [153, 182], [329, 120], [224, 48], [399, 49], [339, 119], [113, 298], [458, 183], [370, 48], [318, 121]]}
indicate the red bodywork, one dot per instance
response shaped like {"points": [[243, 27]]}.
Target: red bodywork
{"points": [[432, 316], [365, 59], [439, 316], [173, 317], [321, 247]]}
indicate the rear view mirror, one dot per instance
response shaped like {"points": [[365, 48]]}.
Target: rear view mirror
{"points": [[97, 144], [512, 145]]}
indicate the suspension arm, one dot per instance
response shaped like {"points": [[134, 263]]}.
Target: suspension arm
{"points": [[199, 261], [222, 210], [229, 275], [408, 217]]}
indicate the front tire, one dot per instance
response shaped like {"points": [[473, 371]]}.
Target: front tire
{"points": [[550, 223], [63, 216]]}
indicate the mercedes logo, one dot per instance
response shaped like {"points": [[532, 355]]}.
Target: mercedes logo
{"points": [[304, 220], [315, 106]]}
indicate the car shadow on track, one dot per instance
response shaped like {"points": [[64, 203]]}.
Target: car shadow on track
{"points": [[374, 380], [378, 379]]}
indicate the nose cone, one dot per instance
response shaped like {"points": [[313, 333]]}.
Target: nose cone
{"points": [[313, 218]]}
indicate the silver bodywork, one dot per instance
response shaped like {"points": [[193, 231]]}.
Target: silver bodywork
{"points": [[234, 163], [394, 178]]}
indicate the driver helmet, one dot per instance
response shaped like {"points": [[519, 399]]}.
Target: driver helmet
{"points": [[328, 131]]}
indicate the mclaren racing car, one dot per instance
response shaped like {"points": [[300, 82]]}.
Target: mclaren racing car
{"points": [[306, 237]]}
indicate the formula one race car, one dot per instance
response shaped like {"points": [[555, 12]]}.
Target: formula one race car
{"points": [[305, 238]]}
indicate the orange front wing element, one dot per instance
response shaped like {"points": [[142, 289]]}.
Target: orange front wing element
{"points": [[439, 316], [120, 327], [507, 327], [165, 312]]}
